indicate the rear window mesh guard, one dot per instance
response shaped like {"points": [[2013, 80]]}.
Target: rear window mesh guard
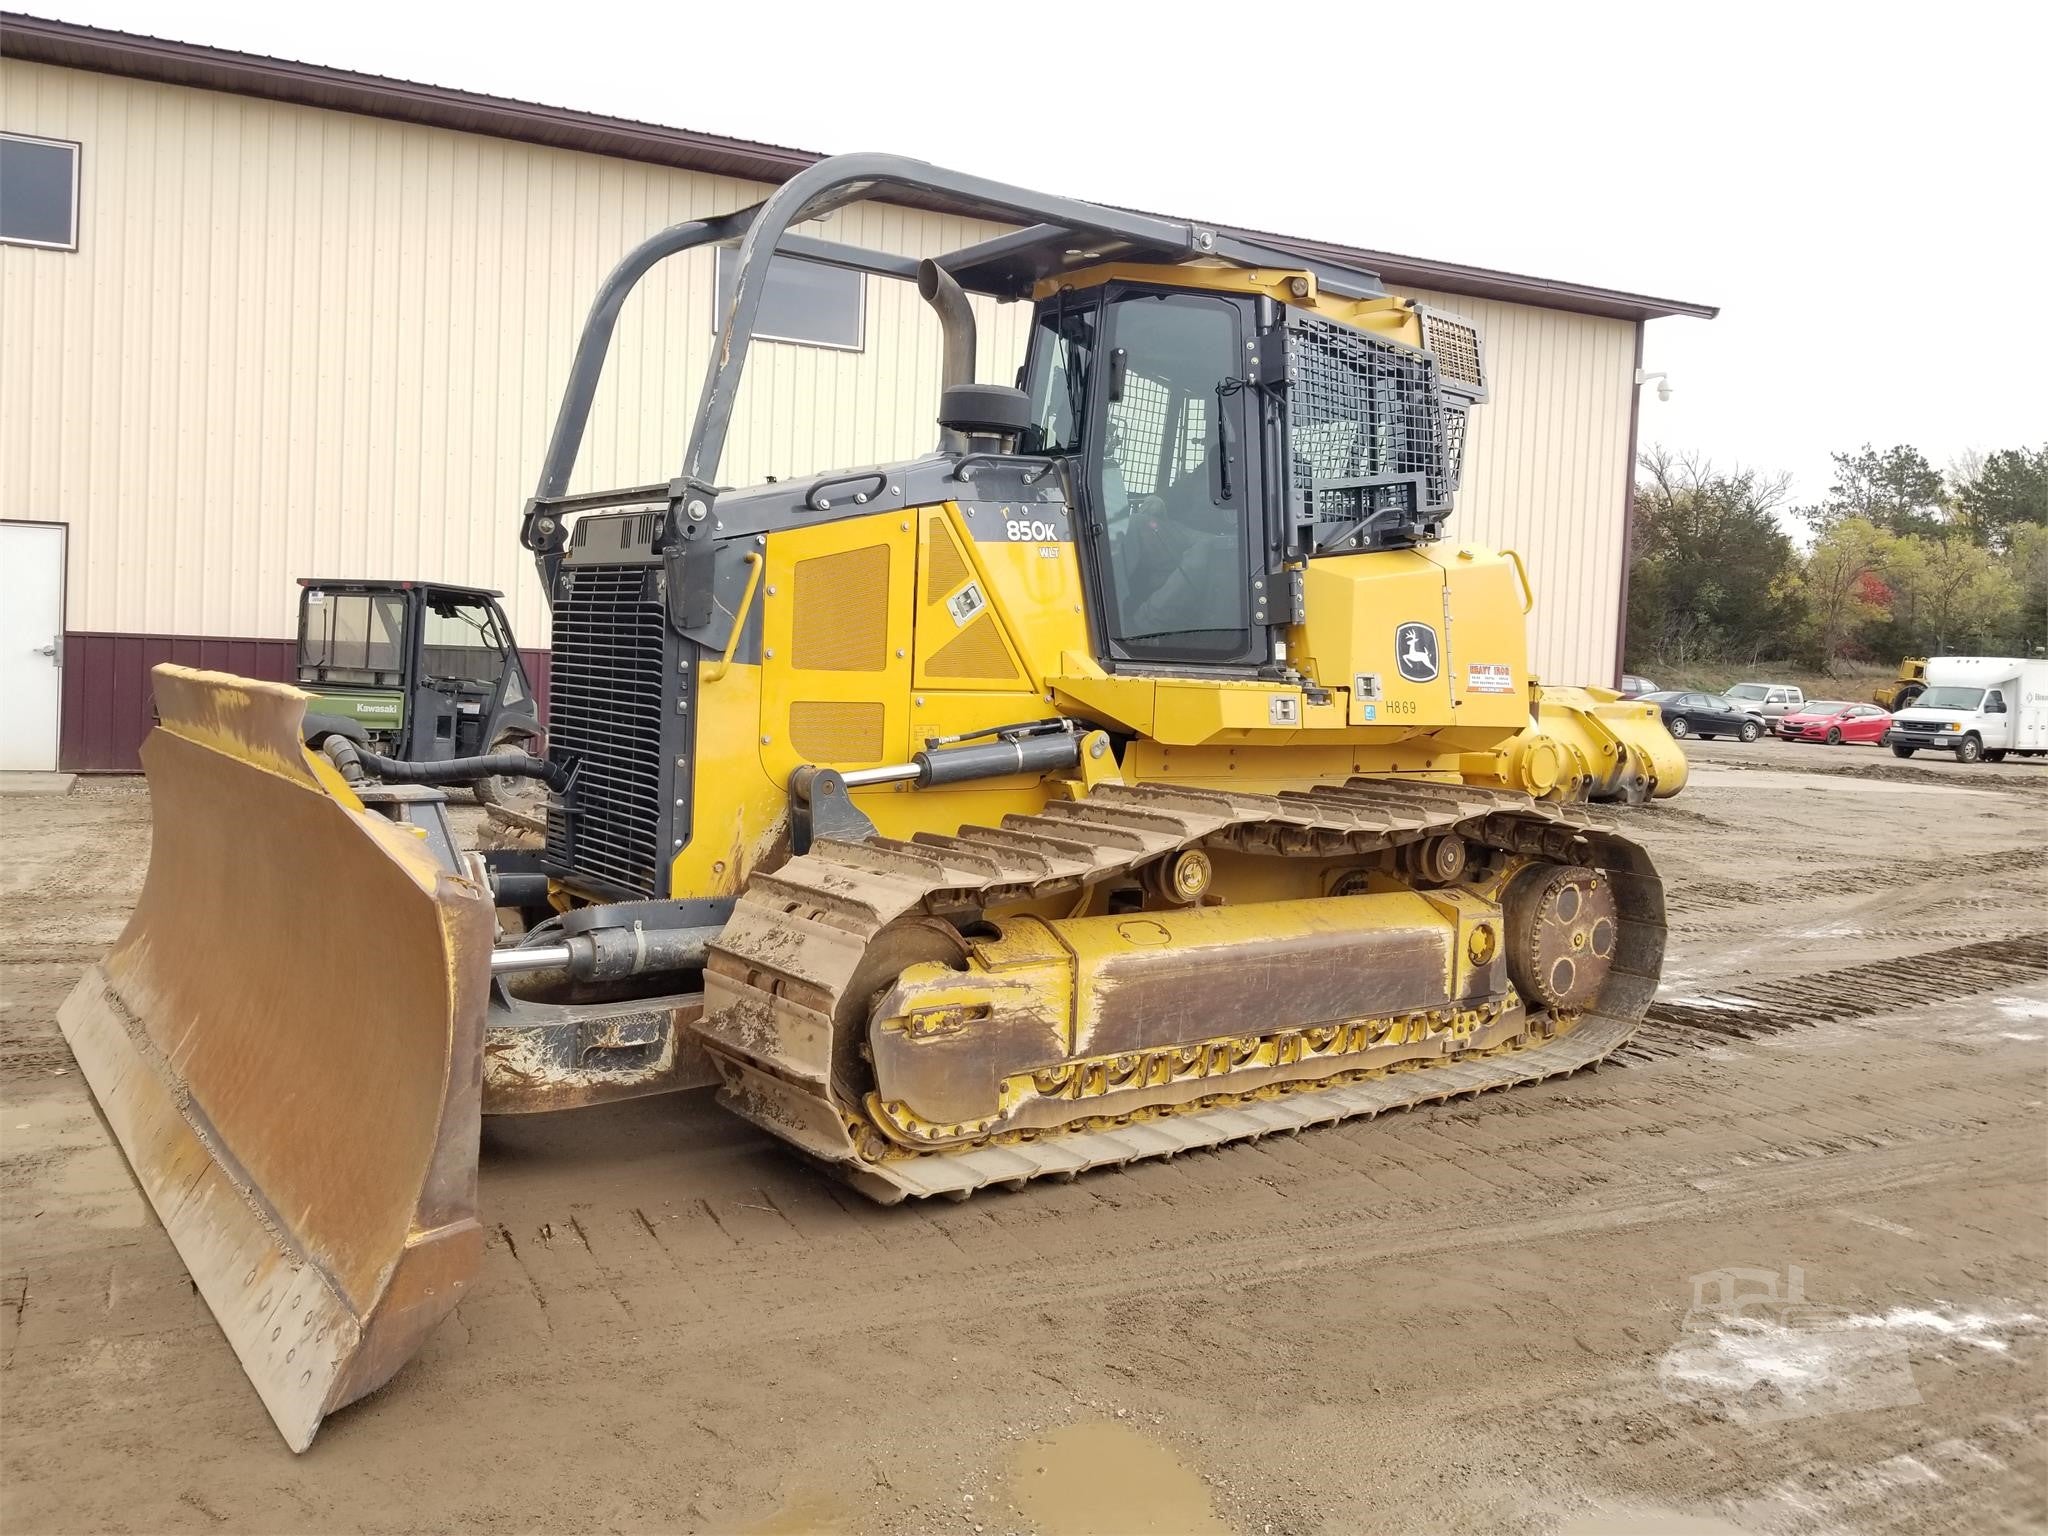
{"points": [[1374, 447]]}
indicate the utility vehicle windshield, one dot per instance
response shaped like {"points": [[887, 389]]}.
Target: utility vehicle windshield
{"points": [[1749, 691]]}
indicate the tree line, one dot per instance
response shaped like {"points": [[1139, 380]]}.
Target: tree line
{"points": [[1900, 559]]}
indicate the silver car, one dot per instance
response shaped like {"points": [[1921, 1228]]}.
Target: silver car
{"points": [[1769, 702]]}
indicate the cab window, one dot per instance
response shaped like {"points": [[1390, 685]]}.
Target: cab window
{"points": [[1062, 345], [462, 643]]}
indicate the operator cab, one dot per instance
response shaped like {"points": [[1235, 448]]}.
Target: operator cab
{"points": [[1216, 440]]}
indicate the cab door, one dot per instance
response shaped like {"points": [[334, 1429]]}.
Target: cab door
{"points": [[1171, 481]]}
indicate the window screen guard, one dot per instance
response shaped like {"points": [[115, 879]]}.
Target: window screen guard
{"points": [[1374, 446]]}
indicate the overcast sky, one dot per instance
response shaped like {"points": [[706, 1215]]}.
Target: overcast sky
{"points": [[1859, 187]]}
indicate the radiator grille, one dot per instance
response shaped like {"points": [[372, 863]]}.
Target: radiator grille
{"points": [[821, 731], [605, 718], [840, 611], [946, 569]]}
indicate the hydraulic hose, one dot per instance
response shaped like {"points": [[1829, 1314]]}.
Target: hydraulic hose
{"points": [[356, 762]]}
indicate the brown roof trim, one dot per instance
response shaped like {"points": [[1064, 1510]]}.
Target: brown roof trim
{"points": [[1487, 283], [72, 46]]}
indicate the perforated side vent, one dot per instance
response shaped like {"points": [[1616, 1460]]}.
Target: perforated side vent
{"points": [[977, 652], [1455, 422], [946, 568], [840, 611], [1455, 344], [822, 731]]}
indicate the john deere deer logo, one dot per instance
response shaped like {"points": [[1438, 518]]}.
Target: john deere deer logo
{"points": [[1415, 652]]}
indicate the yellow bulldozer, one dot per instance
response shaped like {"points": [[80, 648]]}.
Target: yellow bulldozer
{"points": [[1143, 769]]}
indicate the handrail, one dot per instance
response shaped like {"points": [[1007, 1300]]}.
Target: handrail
{"points": [[739, 619], [1528, 592]]}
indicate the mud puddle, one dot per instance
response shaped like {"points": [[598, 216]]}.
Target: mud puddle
{"points": [[1106, 1479], [814, 1515]]}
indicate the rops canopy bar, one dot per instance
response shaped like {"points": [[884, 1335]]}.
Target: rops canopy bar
{"points": [[1003, 267]]}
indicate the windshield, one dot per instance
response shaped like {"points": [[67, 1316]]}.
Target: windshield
{"points": [[1662, 696], [1749, 691], [1821, 707], [1951, 698]]}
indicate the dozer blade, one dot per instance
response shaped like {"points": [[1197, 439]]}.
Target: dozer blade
{"points": [[287, 1042]]}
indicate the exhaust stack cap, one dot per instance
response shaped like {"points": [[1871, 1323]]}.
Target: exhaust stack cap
{"points": [[984, 410]]}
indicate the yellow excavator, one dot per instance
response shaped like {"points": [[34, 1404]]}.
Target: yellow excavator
{"points": [[1143, 769]]}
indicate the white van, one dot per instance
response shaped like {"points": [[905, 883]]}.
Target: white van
{"points": [[1977, 706]]}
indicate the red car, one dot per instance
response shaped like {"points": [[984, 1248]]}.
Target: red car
{"points": [[1834, 722]]}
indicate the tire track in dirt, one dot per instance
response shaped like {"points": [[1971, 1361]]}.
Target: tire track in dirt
{"points": [[1855, 880], [1750, 1009], [1449, 1177]]}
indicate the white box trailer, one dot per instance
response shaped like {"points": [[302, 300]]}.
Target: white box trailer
{"points": [[1978, 707]]}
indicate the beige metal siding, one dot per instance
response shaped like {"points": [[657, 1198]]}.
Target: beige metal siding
{"points": [[297, 342], [1546, 471]]}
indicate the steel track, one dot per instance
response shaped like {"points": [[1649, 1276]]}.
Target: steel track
{"points": [[781, 975]]}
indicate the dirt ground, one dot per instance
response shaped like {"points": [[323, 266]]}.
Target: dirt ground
{"points": [[1784, 1268]]}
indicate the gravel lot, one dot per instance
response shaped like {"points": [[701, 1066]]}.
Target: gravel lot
{"points": [[1784, 1268]]}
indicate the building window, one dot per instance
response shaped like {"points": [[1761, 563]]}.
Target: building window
{"points": [[803, 301], [38, 192]]}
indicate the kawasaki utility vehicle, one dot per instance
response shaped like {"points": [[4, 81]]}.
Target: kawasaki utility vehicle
{"points": [[415, 672]]}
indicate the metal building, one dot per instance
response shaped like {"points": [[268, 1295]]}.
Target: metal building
{"points": [[262, 320]]}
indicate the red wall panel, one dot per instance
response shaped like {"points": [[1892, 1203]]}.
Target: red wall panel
{"points": [[106, 704]]}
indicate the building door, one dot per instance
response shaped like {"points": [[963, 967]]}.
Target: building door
{"points": [[31, 643]]}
